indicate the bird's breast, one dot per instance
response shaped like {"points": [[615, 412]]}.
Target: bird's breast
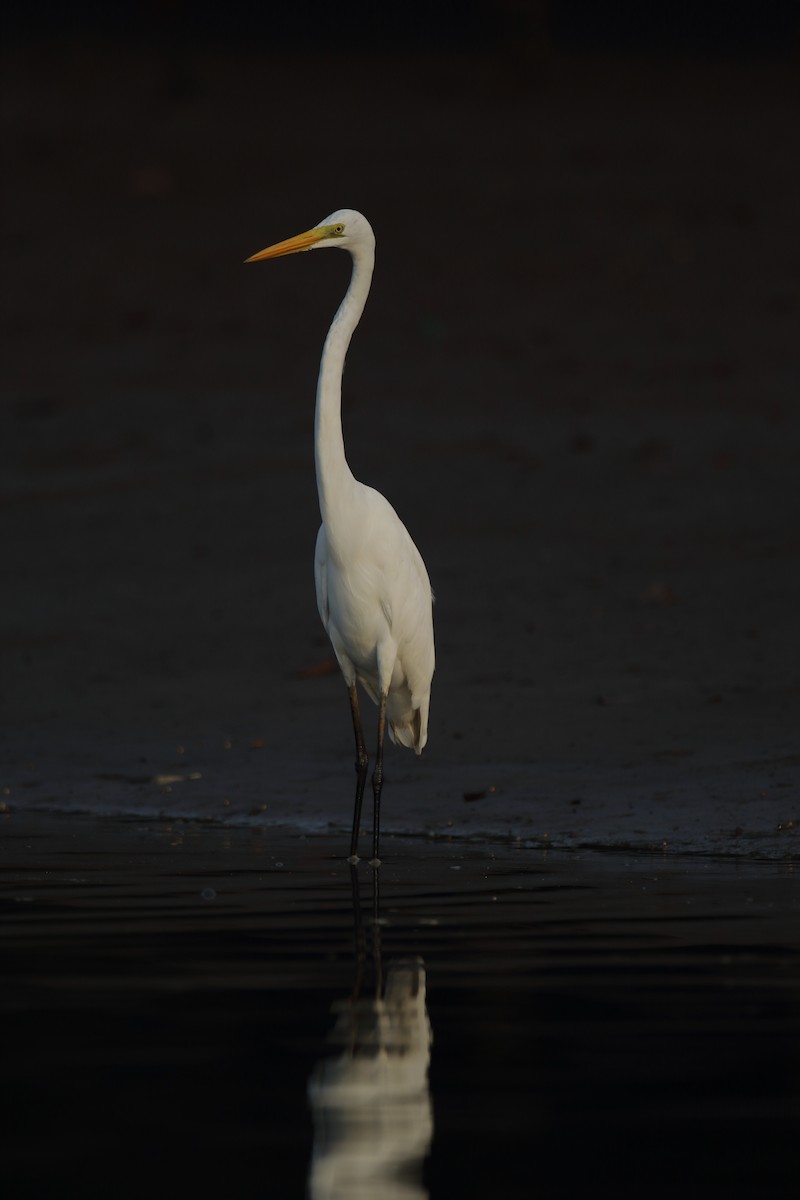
{"points": [[378, 591], [356, 609]]}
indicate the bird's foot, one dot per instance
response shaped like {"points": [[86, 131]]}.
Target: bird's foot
{"points": [[374, 862], [354, 860]]}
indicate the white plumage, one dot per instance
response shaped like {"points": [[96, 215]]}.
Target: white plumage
{"points": [[373, 592]]}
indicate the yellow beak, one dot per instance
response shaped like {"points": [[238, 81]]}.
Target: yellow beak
{"points": [[302, 241]]}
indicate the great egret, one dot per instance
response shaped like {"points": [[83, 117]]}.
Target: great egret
{"points": [[373, 591]]}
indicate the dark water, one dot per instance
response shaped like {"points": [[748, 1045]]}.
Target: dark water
{"points": [[194, 1010]]}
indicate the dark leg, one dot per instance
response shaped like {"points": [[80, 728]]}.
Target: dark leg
{"points": [[362, 762], [377, 781], [376, 932]]}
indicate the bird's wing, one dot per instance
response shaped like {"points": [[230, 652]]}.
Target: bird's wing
{"points": [[406, 601], [321, 575]]}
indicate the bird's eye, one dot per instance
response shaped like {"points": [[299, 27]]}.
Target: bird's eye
{"points": [[338, 229]]}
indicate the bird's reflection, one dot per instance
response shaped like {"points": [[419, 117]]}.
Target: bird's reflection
{"points": [[371, 1102]]}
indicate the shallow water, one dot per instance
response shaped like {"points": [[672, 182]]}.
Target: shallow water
{"points": [[195, 1008]]}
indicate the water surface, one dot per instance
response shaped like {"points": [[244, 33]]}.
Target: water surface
{"points": [[237, 1013]]}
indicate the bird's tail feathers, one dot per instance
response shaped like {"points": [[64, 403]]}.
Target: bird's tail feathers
{"points": [[405, 729]]}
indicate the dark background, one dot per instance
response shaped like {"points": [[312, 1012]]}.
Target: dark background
{"points": [[710, 28], [576, 379]]}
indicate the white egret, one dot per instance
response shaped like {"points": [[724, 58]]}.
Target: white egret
{"points": [[373, 591]]}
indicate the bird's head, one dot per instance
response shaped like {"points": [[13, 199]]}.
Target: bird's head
{"points": [[345, 229]]}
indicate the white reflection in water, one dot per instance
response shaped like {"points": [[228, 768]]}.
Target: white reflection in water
{"points": [[373, 1121]]}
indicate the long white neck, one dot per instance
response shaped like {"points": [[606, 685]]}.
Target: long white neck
{"points": [[334, 478]]}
